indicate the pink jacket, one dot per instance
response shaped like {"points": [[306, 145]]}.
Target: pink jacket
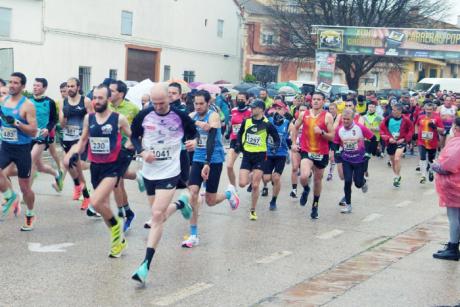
{"points": [[448, 186]]}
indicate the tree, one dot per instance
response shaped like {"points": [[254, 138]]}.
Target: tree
{"points": [[293, 20]]}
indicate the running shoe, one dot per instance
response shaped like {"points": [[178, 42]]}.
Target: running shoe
{"points": [[252, 215], [329, 177], [141, 273], [264, 191], [17, 208], [343, 202], [430, 176], [417, 169], [91, 212], [314, 211], [346, 209], [187, 209], [147, 224], [293, 193], [304, 196], [397, 182], [9, 203], [249, 189], [118, 241], [423, 180], [77, 191], [234, 200], [29, 223], [389, 163], [365, 188], [272, 206], [129, 219], [140, 181], [59, 184], [191, 242], [85, 204]]}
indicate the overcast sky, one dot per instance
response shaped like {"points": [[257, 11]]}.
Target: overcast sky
{"points": [[455, 11]]}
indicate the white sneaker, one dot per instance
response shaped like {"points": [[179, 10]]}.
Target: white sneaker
{"points": [[346, 209], [234, 200], [148, 224], [365, 188], [191, 242]]}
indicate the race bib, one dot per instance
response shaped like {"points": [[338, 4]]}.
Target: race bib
{"points": [[427, 135], [350, 146], [316, 157], [202, 140], [253, 139], [236, 129], [9, 134], [162, 152], [72, 130], [99, 145], [395, 135]]}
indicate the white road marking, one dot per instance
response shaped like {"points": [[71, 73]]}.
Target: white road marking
{"points": [[182, 294], [273, 257], [53, 248], [429, 192], [330, 234], [404, 203], [372, 217]]}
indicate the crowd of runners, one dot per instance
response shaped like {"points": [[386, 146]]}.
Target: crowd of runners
{"points": [[181, 141]]}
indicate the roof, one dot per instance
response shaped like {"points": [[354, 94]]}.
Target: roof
{"points": [[255, 7]]}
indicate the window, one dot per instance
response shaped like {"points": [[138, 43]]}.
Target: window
{"points": [[267, 38], [113, 74], [166, 73], [6, 63], [265, 73], [126, 23], [220, 28], [84, 74], [189, 76], [433, 73], [5, 21]]}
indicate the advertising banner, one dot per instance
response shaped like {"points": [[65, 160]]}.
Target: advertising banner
{"points": [[325, 66], [420, 43]]}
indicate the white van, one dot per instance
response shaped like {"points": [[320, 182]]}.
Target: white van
{"points": [[432, 85]]}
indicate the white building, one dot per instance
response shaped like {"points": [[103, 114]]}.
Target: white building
{"points": [[195, 40]]}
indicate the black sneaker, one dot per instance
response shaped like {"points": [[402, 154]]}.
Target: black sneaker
{"points": [[314, 211], [293, 193], [304, 196], [264, 192], [343, 202], [430, 176], [249, 189], [90, 212], [417, 169], [272, 206], [449, 253]]}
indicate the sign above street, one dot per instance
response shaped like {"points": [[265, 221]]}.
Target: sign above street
{"points": [[400, 42]]}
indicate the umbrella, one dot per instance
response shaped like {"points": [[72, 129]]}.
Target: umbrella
{"points": [[244, 86], [184, 85], [222, 82], [279, 85], [136, 92], [272, 92], [255, 90], [287, 90], [195, 84], [211, 88]]}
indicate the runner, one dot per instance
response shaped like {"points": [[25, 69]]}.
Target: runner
{"points": [[295, 155], [19, 126], [396, 130], [157, 135], [208, 160], [447, 111], [252, 139], [372, 121], [276, 159], [429, 125], [129, 110], [333, 110], [102, 132], [317, 130], [238, 115], [71, 115], [350, 136]]}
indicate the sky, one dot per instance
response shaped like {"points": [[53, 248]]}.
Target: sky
{"points": [[455, 11]]}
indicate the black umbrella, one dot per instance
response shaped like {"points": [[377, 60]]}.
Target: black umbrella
{"points": [[244, 86]]}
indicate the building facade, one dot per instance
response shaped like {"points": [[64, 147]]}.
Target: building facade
{"points": [[195, 40]]}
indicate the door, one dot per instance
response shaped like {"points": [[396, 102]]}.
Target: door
{"points": [[142, 64]]}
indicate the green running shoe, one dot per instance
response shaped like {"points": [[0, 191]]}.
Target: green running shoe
{"points": [[140, 182], [8, 204], [118, 241], [141, 274], [187, 210], [59, 181]]}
